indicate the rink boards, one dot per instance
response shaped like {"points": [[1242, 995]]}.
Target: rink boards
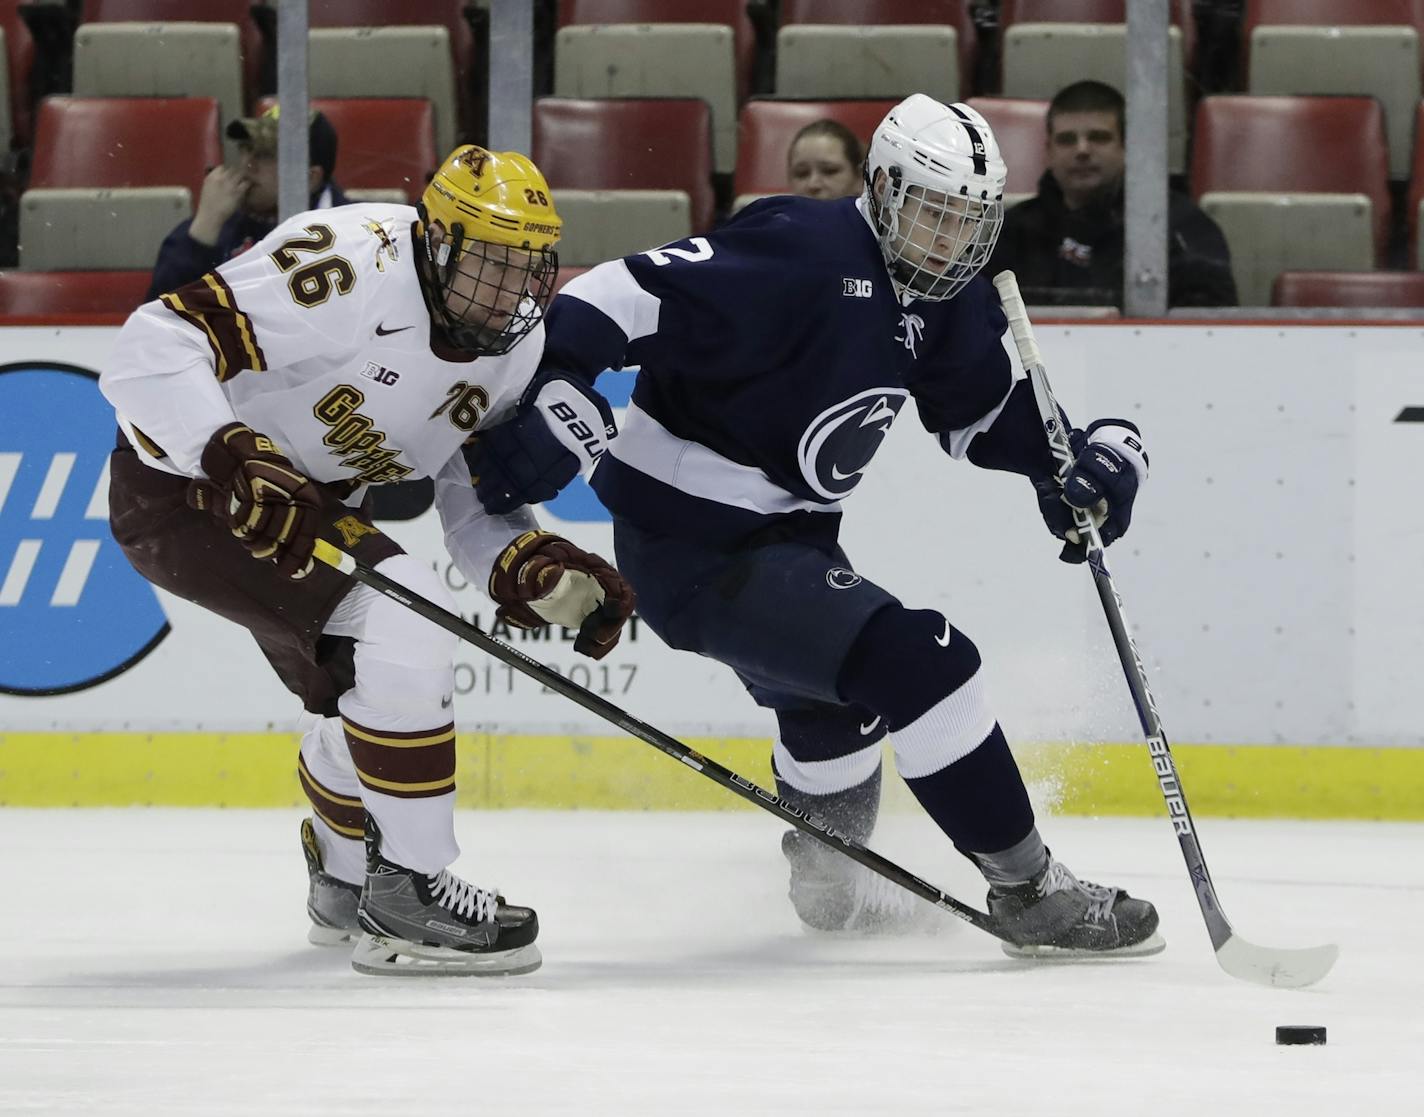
{"points": [[1272, 575]]}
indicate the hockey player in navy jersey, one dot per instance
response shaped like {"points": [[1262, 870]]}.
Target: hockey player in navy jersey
{"points": [[775, 353]]}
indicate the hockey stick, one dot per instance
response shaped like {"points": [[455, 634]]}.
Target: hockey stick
{"points": [[806, 823], [1292, 969]]}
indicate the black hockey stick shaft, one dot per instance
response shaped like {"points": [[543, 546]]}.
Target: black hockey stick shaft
{"points": [[1163, 764], [1289, 968], [596, 704]]}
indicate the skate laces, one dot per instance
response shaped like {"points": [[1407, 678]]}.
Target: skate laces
{"points": [[1059, 878], [462, 897]]}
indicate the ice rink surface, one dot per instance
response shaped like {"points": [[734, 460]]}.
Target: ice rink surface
{"points": [[155, 962]]}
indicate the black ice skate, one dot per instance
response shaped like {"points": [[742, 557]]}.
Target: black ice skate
{"points": [[421, 924], [1056, 915], [832, 893], [331, 902]]}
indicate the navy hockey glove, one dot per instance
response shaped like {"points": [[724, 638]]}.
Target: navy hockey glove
{"points": [[560, 429], [1109, 466]]}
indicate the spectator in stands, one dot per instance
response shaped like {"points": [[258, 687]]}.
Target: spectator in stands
{"points": [[238, 205], [1065, 244], [824, 161]]}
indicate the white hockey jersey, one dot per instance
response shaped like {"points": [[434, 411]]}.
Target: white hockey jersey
{"points": [[318, 337]]}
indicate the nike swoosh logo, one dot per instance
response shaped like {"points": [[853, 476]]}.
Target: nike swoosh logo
{"points": [[867, 730], [445, 702], [943, 641], [381, 331]]}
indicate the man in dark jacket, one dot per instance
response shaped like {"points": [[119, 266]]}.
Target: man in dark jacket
{"points": [[1065, 244], [238, 205]]}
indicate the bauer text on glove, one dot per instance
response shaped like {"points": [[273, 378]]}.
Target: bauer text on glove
{"points": [[561, 428]]}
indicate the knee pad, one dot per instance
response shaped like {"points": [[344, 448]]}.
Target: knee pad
{"points": [[904, 662]]}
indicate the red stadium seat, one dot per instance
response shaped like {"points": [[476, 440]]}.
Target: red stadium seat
{"points": [[20, 51], [449, 14], [126, 141], [765, 130], [1294, 145], [1021, 129], [732, 13], [238, 12], [1416, 188], [381, 143], [1356, 48], [1329, 13], [1347, 288], [37, 294], [952, 13], [631, 144], [1094, 11], [1332, 13]]}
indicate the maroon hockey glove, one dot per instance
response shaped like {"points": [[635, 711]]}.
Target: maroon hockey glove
{"points": [[542, 578], [272, 509]]}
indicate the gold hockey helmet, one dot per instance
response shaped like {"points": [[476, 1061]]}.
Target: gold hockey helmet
{"points": [[489, 227]]}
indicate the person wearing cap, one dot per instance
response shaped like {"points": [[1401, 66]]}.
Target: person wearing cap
{"points": [[238, 204]]}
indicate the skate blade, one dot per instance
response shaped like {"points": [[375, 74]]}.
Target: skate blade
{"points": [[1153, 944], [319, 935], [382, 957]]}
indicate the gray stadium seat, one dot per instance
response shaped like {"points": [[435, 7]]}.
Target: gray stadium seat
{"points": [[1042, 58], [654, 60], [160, 60], [1271, 233], [1378, 62], [816, 60], [602, 225], [388, 62], [98, 230]]}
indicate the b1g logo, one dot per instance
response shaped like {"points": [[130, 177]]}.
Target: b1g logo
{"points": [[73, 612], [842, 439]]}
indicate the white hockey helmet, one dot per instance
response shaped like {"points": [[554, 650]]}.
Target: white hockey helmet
{"points": [[942, 204]]}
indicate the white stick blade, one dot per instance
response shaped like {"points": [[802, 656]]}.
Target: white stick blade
{"points": [[1283, 969]]}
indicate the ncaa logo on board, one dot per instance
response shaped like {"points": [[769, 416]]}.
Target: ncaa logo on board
{"points": [[73, 612]]}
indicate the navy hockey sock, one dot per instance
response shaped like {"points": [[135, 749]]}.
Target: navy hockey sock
{"points": [[827, 761], [923, 677]]}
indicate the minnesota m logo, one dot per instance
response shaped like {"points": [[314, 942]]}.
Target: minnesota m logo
{"points": [[352, 529]]}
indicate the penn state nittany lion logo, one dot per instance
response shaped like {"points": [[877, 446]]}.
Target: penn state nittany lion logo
{"points": [[842, 439]]}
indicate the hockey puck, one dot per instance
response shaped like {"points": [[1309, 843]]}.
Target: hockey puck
{"points": [[1291, 1034]]}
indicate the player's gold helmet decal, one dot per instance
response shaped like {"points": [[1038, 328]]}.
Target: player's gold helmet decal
{"points": [[489, 227]]}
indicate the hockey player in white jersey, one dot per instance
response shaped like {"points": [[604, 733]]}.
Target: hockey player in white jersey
{"points": [[355, 347]]}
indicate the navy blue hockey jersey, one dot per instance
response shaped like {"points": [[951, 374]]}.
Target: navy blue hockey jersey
{"points": [[774, 355]]}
